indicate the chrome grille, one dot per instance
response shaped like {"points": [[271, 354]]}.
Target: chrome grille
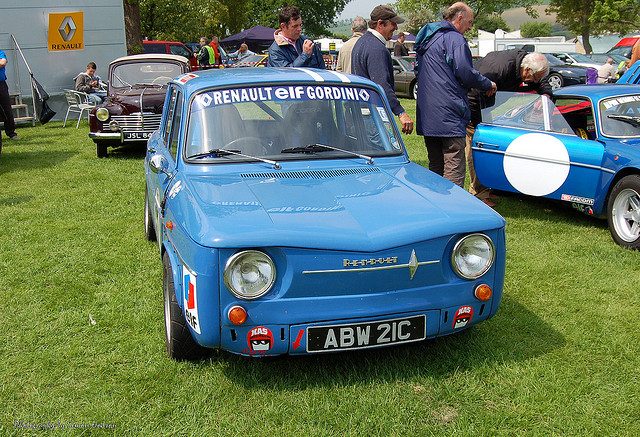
{"points": [[138, 122]]}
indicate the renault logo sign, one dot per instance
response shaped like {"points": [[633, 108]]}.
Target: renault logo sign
{"points": [[66, 31]]}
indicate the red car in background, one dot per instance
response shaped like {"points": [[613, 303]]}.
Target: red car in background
{"points": [[171, 48], [624, 47]]}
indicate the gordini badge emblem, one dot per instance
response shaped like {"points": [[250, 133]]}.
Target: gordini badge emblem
{"points": [[375, 264]]}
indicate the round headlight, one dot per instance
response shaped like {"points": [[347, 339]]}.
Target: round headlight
{"points": [[102, 114], [249, 274], [473, 256]]}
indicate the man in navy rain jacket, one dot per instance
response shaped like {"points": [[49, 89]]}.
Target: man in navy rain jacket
{"points": [[290, 48], [445, 74]]}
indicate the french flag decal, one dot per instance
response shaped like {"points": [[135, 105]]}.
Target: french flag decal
{"points": [[190, 306]]}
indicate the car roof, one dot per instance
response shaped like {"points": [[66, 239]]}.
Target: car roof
{"points": [[197, 80], [151, 56], [597, 91]]}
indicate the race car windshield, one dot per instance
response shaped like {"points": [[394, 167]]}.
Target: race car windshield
{"points": [[277, 121]]}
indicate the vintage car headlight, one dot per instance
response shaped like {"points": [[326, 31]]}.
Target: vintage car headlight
{"points": [[473, 256], [249, 274], [102, 114]]}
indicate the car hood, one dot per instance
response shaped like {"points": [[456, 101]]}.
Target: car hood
{"points": [[360, 209], [152, 98]]}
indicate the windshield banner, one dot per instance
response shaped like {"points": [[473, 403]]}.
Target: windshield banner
{"points": [[281, 93]]}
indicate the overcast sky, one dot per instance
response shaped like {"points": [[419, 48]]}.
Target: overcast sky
{"points": [[360, 7]]}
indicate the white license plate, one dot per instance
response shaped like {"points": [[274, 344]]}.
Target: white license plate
{"points": [[137, 135], [366, 334]]}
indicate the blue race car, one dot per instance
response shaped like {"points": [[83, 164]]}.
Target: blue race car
{"points": [[582, 148], [290, 220]]}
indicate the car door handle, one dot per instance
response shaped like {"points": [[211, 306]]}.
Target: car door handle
{"points": [[483, 145]]}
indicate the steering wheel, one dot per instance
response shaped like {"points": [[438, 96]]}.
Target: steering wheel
{"points": [[249, 143], [164, 79]]}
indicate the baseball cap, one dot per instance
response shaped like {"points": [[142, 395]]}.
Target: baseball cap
{"points": [[384, 12]]}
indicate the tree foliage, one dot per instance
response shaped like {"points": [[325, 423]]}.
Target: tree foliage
{"points": [[594, 17], [317, 15], [188, 20], [491, 23], [534, 29], [479, 7]]}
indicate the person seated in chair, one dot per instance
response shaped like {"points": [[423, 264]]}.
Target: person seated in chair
{"points": [[87, 82]]}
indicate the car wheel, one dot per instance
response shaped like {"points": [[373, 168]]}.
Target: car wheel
{"points": [[180, 343], [149, 230], [101, 150], [413, 90], [623, 212], [555, 81]]}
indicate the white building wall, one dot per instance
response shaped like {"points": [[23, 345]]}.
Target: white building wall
{"points": [[28, 20]]}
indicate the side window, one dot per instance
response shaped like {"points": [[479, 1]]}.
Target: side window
{"points": [[175, 126], [168, 123], [579, 114], [154, 48], [179, 50]]}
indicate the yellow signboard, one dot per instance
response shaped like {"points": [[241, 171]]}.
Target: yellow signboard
{"points": [[66, 31]]}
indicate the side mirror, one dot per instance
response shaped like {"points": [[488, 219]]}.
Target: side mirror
{"points": [[159, 164]]}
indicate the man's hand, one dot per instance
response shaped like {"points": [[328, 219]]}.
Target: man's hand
{"points": [[493, 89], [407, 123], [307, 46]]}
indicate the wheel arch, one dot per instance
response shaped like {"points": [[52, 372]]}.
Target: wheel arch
{"points": [[627, 171]]}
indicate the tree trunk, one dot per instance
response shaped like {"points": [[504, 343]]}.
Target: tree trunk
{"points": [[585, 41], [132, 28]]}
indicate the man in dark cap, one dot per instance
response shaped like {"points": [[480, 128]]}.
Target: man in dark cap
{"points": [[371, 59]]}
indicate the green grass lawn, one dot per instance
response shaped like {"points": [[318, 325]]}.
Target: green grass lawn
{"points": [[561, 357]]}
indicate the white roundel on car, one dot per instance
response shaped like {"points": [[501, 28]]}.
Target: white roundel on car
{"points": [[536, 164]]}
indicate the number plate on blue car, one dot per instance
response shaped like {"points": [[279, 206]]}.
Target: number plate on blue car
{"points": [[366, 334]]}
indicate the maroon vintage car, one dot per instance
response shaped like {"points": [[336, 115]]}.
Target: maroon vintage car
{"points": [[133, 107]]}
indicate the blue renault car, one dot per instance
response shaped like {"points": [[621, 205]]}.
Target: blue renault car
{"points": [[290, 220]]}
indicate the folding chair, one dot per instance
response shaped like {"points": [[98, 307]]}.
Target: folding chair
{"points": [[78, 103]]}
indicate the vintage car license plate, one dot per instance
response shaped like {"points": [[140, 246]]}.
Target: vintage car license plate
{"points": [[137, 135], [366, 334]]}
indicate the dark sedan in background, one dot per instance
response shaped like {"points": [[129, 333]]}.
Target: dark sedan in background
{"points": [[561, 74], [405, 79]]}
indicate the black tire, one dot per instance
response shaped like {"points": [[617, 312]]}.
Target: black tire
{"points": [[101, 150], [180, 344], [555, 81], [623, 212], [149, 230], [413, 90]]}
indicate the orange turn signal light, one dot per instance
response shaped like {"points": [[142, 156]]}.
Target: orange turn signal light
{"points": [[237, 315], [169, 225], [483, 292]]}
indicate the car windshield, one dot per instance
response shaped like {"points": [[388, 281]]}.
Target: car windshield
{"points": [[290, 122], [525, 110], [581, 58], [620, 116], [553, 61], [247, 61], [406, 64], [143, 73]]}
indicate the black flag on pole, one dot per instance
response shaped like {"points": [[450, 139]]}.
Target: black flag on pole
{"points": [[41, 96]]}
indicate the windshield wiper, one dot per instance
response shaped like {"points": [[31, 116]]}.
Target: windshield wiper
{"points": [[314, 148], [218, 153], [633, 121]]}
